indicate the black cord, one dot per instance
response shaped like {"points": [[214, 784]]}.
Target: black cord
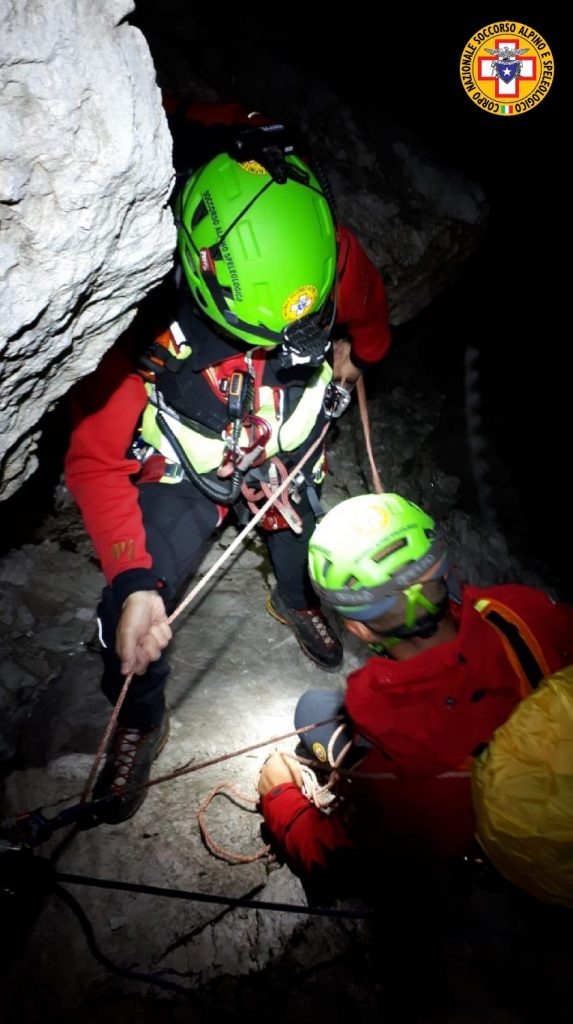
{"points": [[221, 495], [201, 897], [153, 979], [123, 972]]}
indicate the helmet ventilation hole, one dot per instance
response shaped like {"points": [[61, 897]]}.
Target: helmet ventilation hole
{"points": [[385, 552], [199, 214]]}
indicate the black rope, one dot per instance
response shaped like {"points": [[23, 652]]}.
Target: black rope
{"points": [[202, 897], [123, 972], [221, 494], [155, 979]]}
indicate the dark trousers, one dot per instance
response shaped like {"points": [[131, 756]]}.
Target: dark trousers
{"points": [[180, 525]]}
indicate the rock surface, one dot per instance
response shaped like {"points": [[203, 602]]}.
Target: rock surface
{"points": [[85, 177]]}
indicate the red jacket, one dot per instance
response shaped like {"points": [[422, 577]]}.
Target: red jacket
{"points": [[108, 404], [426, 717]]}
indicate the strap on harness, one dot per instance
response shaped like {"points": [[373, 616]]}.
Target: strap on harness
{"points": [[282, 511]]}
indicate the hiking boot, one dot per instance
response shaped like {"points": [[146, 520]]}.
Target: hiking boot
{"points": [[310, 629], [127, 766]]}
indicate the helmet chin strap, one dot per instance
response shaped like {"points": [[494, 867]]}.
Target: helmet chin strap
{"points": [[424, 627], [304, 347], [414, 595]]}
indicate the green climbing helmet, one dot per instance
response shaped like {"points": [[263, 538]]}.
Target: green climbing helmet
{"points": [[369, 550], [259, 256]]}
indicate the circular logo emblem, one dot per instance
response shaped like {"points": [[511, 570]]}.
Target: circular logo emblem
{"points": [[507, 68], [299, 303], [319, 751], [371, 521]]}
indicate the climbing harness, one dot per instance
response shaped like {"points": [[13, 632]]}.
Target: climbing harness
{"points": [[282, 511]]}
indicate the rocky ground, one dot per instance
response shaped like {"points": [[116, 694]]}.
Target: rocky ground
{"points": [[452, 947]]}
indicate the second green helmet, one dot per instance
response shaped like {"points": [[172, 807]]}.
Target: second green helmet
{"points": [[258, 256], [367, 550]]}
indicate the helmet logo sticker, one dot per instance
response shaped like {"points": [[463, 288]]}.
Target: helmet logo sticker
{"points": [[206, 260], [319, 751], [299, 303], [253, 167], [372, 520]]}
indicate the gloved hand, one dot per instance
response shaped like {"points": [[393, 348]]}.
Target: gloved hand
{"points": [[143, 631], [278, 769]]}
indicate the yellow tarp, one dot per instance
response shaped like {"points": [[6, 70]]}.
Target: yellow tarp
{"points": [[523, 793]]}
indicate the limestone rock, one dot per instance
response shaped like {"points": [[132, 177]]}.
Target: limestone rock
{"points": [[85, 177]]}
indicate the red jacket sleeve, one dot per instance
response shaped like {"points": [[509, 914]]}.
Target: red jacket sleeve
{"points": [[222, 113], [106, 408], [362, 305], [308, 838]]}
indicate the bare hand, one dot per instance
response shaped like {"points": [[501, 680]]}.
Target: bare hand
{"points": [[142, 632], [344, 370], [278, 769]]}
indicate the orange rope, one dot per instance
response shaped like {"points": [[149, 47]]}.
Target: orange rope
{"points": [[219, 851], [363, 406]]}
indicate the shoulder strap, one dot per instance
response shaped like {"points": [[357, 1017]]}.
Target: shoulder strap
{"points": [[168, 351], [521, 647]]}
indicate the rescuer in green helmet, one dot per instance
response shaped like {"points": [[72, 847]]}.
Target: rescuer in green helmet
{"points": [[226, 399]]}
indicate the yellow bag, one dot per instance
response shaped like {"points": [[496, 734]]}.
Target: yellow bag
{"points": [[522, 789]]}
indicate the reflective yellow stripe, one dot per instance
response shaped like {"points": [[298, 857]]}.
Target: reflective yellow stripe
{"points": [[206, 453]]}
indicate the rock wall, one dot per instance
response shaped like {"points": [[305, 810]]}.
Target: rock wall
{"points": [[85, 177]]}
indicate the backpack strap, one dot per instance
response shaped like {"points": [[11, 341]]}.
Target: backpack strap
{"points": [[161, 354], [520, 645]]}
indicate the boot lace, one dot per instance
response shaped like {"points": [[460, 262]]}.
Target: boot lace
{"points": [[316, 619], [124, 757]]}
